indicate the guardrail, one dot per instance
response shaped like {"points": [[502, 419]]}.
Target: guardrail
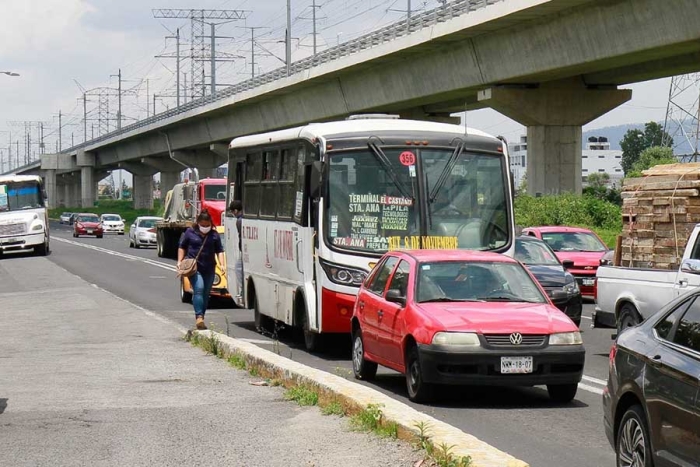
{"points": [[381, 36]]}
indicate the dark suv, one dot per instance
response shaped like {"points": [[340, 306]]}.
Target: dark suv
{"points": [[652, 401]]}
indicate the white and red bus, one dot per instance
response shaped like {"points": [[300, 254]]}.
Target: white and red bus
{"points": [[324, 201]]}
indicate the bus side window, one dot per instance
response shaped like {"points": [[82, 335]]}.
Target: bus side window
{"points": [[286, 190], [303, 172], [252, 190]]}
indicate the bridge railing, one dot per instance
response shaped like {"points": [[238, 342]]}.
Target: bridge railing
{"points": [[418, 22]]}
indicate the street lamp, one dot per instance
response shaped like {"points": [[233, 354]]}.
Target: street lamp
{"points": [[9, 73]]}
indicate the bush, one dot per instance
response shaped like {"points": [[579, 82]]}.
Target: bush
{"points": [[570, 210]]}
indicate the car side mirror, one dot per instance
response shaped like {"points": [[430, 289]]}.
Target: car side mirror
{"points": [[568, 264], [691, 266], [394, 296], [558, 295]]}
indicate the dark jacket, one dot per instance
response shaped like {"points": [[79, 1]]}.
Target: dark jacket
{"points": [[191, 241]]}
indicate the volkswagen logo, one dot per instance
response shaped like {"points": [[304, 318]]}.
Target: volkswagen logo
{"points": [[516, 338]]}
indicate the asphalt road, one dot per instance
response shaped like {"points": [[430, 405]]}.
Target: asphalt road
{"points": [[520, 421]]}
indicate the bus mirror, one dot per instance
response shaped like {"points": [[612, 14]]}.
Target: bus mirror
{"points": [[316, 174]]}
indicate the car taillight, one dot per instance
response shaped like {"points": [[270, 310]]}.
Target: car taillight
{"points": [[611, 356], [79, 225]]}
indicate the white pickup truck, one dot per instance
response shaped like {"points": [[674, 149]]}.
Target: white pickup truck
{"points": [[627, 296]]}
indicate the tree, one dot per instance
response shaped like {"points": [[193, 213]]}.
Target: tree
{"points": [[651, 157], [636, 141], [598, 180]]}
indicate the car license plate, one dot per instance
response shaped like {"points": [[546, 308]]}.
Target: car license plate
{"points": [[516, 365], [588, 282], [90, 232]]}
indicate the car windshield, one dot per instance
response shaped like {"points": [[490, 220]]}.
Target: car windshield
{"points": [[18, 196], [66, 214], [147, 223], [534, 252], [215, 192], [111, 218], [455, 281], [88, 219], [373, 200], [573, 241]]}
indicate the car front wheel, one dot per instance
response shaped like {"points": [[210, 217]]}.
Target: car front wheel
{"points": [[629, 316], [633, 448], [418, 390], [363, 369]]}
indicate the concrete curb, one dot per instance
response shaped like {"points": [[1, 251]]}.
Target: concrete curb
{"points": [[358, 397]]}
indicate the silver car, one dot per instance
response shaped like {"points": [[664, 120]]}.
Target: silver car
{"points": [[143, 232], [65, 218], [112, 223]]}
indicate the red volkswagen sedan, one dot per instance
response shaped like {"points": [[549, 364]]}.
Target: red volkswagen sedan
{"points": [[463, 317], [87, 224], [579, 250]]}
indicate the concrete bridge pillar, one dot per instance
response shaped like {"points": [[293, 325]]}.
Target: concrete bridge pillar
{"points": [[87, 187], [554, 113], [143, 191], [167, 181], [50, 187]]}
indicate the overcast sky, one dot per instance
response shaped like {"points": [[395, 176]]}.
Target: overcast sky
{"points": [[54, 43]]}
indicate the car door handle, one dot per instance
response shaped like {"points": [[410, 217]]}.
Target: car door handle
{"points": [[655, 360], [380, 314], [361, 304], [683, 283]]}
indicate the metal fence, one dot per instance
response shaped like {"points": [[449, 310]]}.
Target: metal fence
{"points": [[381, 36]]}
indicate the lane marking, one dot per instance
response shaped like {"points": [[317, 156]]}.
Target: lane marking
{"points": [[595, 380], [125, 256], [586, 317], [588, 388]]}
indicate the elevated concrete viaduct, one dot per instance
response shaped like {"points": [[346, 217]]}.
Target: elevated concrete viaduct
{"points": [[552, 65]]}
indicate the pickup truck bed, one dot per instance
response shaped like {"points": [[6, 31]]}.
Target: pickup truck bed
{"points": [[646, 290]]}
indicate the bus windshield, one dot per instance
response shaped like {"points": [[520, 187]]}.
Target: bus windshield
{"points": [[18, 196], [408, 198]]}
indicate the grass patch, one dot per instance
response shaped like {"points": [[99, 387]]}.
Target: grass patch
{"points": [[371, 419], [302, 395], [237, 361], [113, 206], [333, 408], [440, 455]]}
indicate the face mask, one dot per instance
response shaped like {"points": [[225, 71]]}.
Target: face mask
{"points": [[204, 230]]}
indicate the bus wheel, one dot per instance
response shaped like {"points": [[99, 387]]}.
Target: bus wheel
{"points": [[262, 322], [159, 244], [43, 249], [312, 340]]}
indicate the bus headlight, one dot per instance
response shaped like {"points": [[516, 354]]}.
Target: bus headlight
{"points": [[344, 275], [38, 227]]}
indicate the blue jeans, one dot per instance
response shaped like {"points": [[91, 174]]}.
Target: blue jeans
{"points": [[202, 282]]}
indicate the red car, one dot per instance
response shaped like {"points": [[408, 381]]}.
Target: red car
{"points": [[463, 317], [579, 250], [87, 224]]}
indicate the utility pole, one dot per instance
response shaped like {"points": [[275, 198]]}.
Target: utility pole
{"points": [[177, 65], [252, 52], [184, 87], [288, 38], [313, 10], [41, 138], [148, 94], [213, 58], [119, 104], [84, 117], [60, 130]]}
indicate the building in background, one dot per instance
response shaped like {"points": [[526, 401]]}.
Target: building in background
{"points": [[597, 157]]}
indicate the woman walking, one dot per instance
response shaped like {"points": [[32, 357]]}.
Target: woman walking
{"points": [[202, 242]]}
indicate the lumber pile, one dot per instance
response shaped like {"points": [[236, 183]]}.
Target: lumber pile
{"points": [[659, 211]]}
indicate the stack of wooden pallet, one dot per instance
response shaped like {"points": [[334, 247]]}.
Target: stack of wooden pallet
{"points": [[659, 211]]}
